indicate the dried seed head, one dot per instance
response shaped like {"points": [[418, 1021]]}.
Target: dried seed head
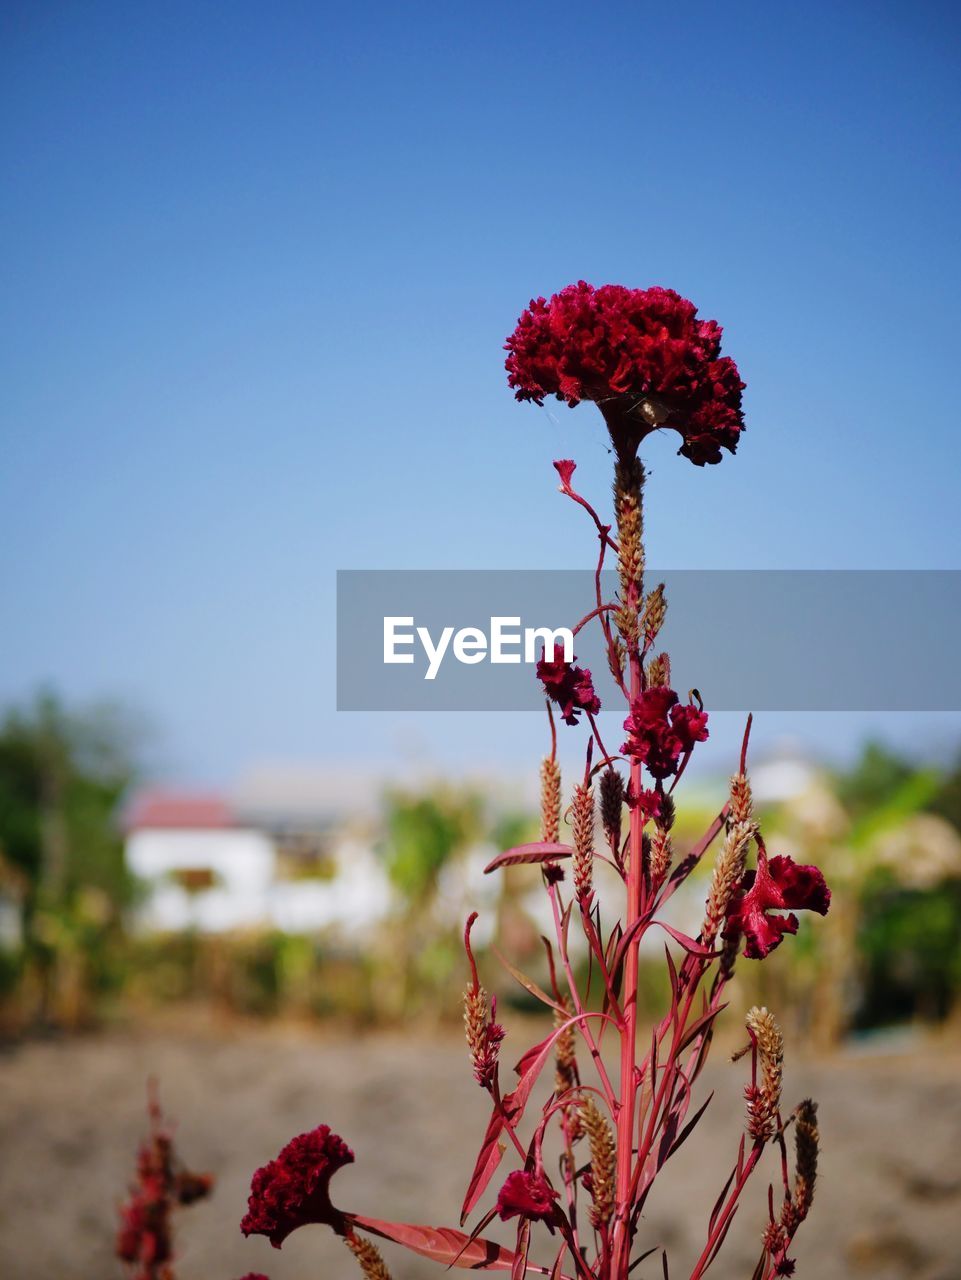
{"points": [[484, 1035], [806, 1149], [582, 830], [550, 800], [565, 1062], [659, 671], [729, 949], [368, 1255], [731, 861], [616, 657], [612, 802], [666, 812], [660, 856], [603, 1161], [742, 803], [764, 1098], [655, 611], [628, 481]]}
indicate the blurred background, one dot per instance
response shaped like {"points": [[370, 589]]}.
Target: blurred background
{"points": [[258, 266]]}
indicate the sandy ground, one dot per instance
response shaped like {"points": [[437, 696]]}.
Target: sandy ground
{"points": [[889, 1202]]}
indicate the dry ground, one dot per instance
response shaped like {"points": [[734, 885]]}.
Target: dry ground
{"points": [[889, 1202]]}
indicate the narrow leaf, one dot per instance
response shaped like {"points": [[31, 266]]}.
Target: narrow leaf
{"points": [[697, 1027], [538, 851], [441, 1244], [488, 1159], [519, 1269], [529, 984], [689, 1127]]}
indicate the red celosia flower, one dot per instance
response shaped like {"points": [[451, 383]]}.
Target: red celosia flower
{"points": [[528, 1195], [778, 884], [565, 468], [569, 686], [649, 803], [662, 729], [641, 354], [293, 1190]]}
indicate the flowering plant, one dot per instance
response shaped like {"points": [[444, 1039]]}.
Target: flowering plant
{"points": [[647, 361], [145, 1235]]}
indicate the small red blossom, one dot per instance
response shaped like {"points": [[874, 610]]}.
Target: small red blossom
{"points": [[485, 1065], [662, 729], [526, 1195], [649, 803], [641, 354], [293, 1190], [565, 468], [778, 884], [569, 686], [255, 1275]]}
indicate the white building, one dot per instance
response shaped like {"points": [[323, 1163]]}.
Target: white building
{"points": [[280, 853]]}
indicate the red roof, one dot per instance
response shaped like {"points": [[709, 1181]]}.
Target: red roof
{"points": [[186, 810]]}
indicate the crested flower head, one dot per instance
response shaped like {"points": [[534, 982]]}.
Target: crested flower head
{"points": [[569, 686], [293, 1190], [641, 354], [662, 729], [778, 884], [526, 1195]]}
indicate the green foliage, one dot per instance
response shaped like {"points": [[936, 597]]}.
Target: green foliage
{"points": [[910, 943], [423, 833]]}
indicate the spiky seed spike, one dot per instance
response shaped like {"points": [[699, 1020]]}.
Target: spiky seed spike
{"points": [[476, 1014], [660, 856], [666, 814], [368, 1256], [612, 803], [616, 656], [582, 830], [731, 861], [806, 1139], [565, 1061], [603, 1161], [628, 482], [659, 671], [550, 800], [764, 1099], [742, 804], [655, 611]]}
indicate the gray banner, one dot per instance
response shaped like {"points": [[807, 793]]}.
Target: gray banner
{"points": [[793, 640]]}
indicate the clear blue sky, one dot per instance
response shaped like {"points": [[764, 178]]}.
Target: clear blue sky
{"points": [[258, 263]]}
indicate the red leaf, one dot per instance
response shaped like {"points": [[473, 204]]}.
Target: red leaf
{"points": [[529, 1068], [697, 1027], [519, 1269], [539, 851], [689, 945], [488, 1159], [441, 1244]]}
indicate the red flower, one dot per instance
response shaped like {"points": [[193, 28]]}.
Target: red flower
{"points": [[569, 686], [254, 1275], [565, 468], [649, 803], [293, 1190], [145, 1235], [662, 729], [527, 1195], [641, 354], [778, 884]]}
